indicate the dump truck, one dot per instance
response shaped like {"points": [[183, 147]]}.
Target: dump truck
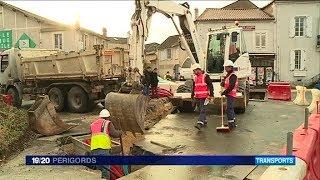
{"points": [[72, 80]]}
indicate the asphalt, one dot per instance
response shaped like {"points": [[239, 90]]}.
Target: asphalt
{"points": [[261, 130]]}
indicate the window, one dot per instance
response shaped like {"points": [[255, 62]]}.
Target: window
{"points": [[299, 26], [261, 40], [95, 40], [4, 62], [58, 41], [165, 54], [85, 41], [169, 54], [297, 59]]}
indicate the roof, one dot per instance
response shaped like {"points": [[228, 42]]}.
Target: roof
{"points": [[170, 42], [151, 47], [48, 21], [241, 4], [233, 15], [117, 40]]}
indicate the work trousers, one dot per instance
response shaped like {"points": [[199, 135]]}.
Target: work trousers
{"points": [[230, 109], [202, 109], [102, 168], [146, 90]]}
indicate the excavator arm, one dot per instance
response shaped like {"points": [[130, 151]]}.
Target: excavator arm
{"points": [[140, 25]]}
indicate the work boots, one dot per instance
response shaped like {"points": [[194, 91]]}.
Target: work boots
{"points": [[232, 124]]}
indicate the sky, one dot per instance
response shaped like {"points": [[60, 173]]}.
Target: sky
{"points": [[114, 15]]}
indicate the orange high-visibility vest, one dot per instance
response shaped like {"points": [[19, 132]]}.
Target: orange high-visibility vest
{"points": [[201, 90], [100, 134], [233, 92]]}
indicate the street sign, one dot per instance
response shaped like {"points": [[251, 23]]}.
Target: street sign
{"points": [[25, 42], [5, 39]]}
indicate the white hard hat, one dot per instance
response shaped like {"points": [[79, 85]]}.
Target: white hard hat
{"points": [[104, 113], [195, 66], [228, 63]]}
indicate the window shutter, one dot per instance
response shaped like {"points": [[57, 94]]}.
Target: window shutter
{"points": [[309, 26], [292, 60], [257, 40], [263, 40], [291, 27], [303, 60]]}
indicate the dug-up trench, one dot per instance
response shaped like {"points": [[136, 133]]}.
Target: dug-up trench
{"points": [[62, 144]]}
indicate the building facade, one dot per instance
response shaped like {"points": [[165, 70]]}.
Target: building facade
{"points": [[19, 28], [258, 33], [171, 56], [281, 37], [152, 55], [297, 28]]}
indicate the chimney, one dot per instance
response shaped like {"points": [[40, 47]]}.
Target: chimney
{"points": [[104, 31], [77, 23], [196, 13]]}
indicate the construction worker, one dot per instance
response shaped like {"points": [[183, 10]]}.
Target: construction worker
{"points": [[154, 82], [202, 90], [146, 81], [102, 130], [230, 85], [168, 76]]}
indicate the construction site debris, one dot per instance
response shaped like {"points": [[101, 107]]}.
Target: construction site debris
{"points": [[44, 119], [128, 139], [156, 110], [14, 132]]}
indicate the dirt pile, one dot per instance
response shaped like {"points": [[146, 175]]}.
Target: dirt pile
{"points": [[14, 131], [128, 139], [156, 110]]}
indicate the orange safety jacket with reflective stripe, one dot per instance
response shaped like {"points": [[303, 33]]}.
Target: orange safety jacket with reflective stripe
{"points": [[233, 92], [100, 134], [201, 90]]}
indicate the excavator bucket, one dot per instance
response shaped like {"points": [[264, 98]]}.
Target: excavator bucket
{"points": [[43, 118], [128, 111]]}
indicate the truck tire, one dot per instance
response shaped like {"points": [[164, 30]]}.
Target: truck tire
{"points": [[16, 100], [56, 96], [78, 100]]}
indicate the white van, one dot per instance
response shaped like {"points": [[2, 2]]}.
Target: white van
{"points": [[185, 70]]}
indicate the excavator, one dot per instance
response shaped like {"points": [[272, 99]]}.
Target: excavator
{"points": [[128, 110]]}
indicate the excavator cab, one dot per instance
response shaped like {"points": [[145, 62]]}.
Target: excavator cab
{"points": [[224, 44]]}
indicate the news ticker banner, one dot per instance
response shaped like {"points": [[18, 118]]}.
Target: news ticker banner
{"points": [[161, 160]]}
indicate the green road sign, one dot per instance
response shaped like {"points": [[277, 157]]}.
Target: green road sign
{"points": [[5, 39], [25, 42]]}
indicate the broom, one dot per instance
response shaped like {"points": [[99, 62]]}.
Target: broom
{"points": [[222, 128]]}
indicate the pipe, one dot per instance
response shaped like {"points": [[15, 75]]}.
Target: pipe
{"points": [[306, 116], [289, 143]]}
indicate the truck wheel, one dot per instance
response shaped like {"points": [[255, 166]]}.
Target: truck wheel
{"points": [[16, 100], [57, 98], [78, 100]]}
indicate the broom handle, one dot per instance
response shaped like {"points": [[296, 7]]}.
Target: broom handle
{"points": [[222, 124]]}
